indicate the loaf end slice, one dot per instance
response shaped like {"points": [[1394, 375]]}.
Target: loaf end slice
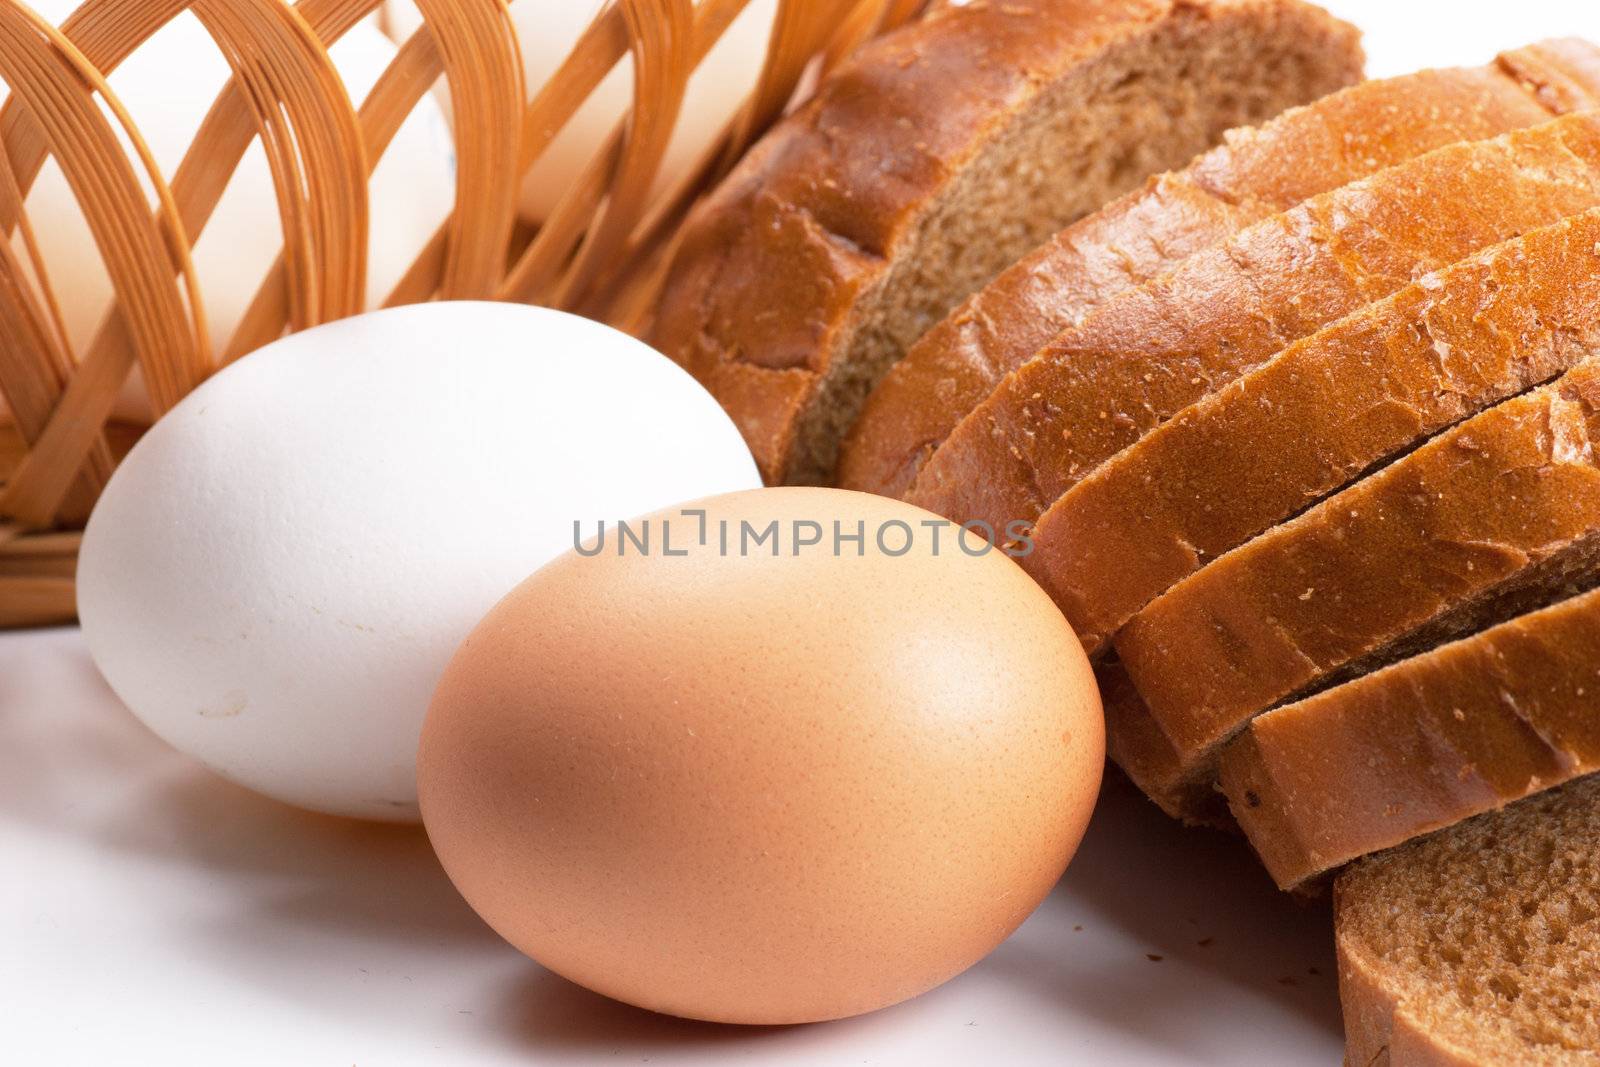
{"points": [[1256, 172], [932, 160], [1421, 745], [1480, 945]]}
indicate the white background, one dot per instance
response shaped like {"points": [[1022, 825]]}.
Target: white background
{"points": [[152, 914], [1405, 35]]}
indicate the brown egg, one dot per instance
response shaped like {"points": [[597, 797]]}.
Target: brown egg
{"points": [[765, 788]]}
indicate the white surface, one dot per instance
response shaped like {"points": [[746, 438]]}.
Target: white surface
{"points": [[278, 572], [151, 913], [1405, 35]]}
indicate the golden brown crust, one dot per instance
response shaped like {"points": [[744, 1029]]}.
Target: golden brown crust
{"points": [[776, 262], [1500, 511], [1153, 351], [1337, 403], [1466, 728], [1563, 73], [1256, 173], [1135, 743]]}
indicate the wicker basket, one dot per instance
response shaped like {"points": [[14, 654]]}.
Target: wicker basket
{"points": [[601, 252]]}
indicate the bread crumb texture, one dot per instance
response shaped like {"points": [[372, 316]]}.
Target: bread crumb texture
{"points": [[1480, 944], [933, 160]]}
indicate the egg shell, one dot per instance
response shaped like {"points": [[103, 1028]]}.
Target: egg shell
{"points": [[277, 574], [764, 789]]}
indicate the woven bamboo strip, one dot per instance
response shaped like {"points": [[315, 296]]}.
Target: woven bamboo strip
{"points": [[623, 296], [108, 31], [58, 85], [626, 296], [286, 86], [34, 361], [306, 124], [597, 50], [105, 32], [665, 52], [36, 601], [536, 275], [478, 45], [601, 251], [399, 88], [36, 577]]}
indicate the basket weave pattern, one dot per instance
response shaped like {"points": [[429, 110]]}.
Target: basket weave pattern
{"points": [[601, 252]]}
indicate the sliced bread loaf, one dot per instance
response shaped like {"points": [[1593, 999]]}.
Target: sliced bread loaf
{"points": [[1135, 743], [1255, 173], [1480, 945], [1155, 350], [932, 160], [1466, 728], [1495, 517], [1330, 407]]}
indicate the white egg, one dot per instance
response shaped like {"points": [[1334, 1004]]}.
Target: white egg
{"points": [[277, 574], [546, 33], [168, 84]]}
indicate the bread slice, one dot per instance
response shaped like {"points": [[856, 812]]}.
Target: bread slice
{"points": [[1255, 173], [1332, 406], [932, 160], [1480, 945], [1426, 743], [1152, 352], [1135, 743], [1495, 517]]}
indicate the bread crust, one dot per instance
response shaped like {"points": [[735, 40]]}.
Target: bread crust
{"points": [[767, 289], [1497, 516], [1150, 353], [1368, 1007], [1378, 1029], [1135, 743], [1464, 729], [1477, 946], [1257, 172], [1336, 404]]}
